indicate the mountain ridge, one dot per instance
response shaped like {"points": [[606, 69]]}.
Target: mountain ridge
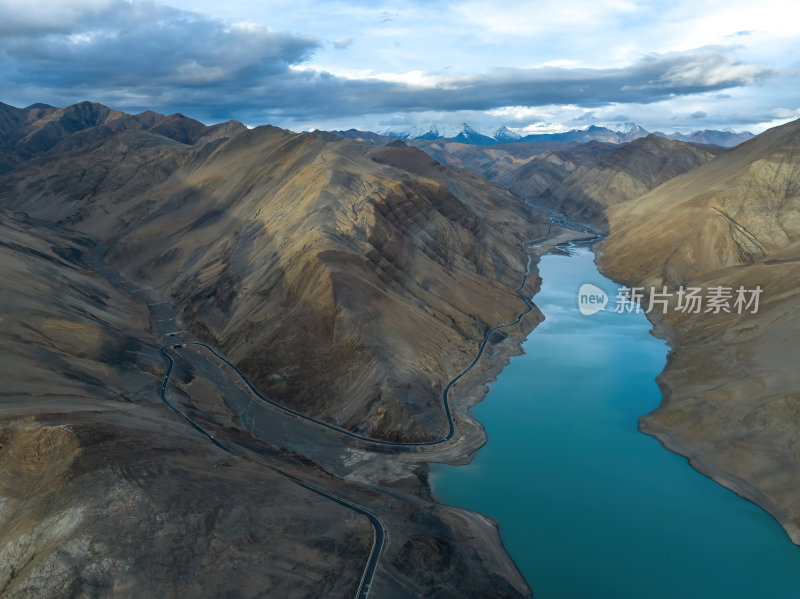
{"points": [[350, 281], [29, 132], [445, 213]]}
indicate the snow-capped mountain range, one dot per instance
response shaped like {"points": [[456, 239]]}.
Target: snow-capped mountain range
{"points": [[621, 133]]}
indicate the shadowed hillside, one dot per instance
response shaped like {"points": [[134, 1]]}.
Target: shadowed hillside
{"points": [[585, 184], [350, 281], [31, 132], [535, 180]]}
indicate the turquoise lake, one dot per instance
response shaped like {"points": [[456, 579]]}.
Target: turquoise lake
{"points": [[588, 506]]}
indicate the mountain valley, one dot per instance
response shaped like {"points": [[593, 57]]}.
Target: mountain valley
{"points": [[250, 343]]}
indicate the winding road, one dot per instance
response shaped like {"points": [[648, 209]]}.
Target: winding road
{"points": [[377, 541], [378, 527], [379, 530], [338, 429]]}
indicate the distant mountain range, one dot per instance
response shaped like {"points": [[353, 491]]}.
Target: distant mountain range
{"points": [[626, 132], [725, 139]]}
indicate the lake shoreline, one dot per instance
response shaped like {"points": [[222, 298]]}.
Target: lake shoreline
{"points": [[588, 479], [473, 387], [673, 442]]}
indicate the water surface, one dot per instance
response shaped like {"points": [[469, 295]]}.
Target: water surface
{"points": [[589, 507]]}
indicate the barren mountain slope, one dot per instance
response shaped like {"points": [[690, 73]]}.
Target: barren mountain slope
{"points": [[65, 332], [106, 492], [99, 482], [348, 287], [489, 161], [731, 392], [31, 132], [89, 453], [734, 210], [544, 173], [625, 173]]}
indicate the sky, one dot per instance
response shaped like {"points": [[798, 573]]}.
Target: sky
{"points": [[535, 66]]}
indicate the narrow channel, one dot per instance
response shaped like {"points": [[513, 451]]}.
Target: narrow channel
{"points": [[588, 506]]}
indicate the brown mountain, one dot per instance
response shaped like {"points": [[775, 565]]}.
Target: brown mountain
{"points": [[489, 161], [102, 490], [625, 173], [334, 273], [348, 281], [492, 161], [29, 132], [731, 396], [541, 175], [725, 139]]}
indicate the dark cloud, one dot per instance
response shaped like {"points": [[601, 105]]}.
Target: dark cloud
{"points": [[699, 115], [652, 79], [146, 46], [145, 55]]}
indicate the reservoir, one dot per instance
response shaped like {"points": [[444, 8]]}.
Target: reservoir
{"points": [[588, 506]]}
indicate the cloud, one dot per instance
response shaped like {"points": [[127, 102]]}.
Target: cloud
{"points": [[141, 45], [698, 115], [343, 44], [524, 18], [40, 17], [652, 79], [141, 54], [386, 17]]}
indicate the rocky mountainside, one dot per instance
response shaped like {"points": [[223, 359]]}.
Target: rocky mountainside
{"points": [[599, 177], [91, 503], [744, 201], [366, 136], [628, 133], [544, 173], [542, 168], [27, 133], [724, 139], [294, 252], [731, 398], [490, 161], [349, 281]]}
